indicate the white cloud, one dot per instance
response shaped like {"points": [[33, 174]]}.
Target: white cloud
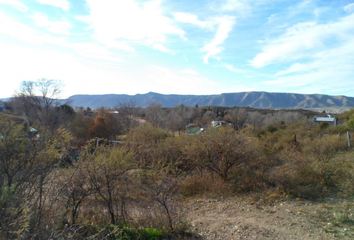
{"points": [[190, 71], [17, 30], [326, 80], [240, 6], [25, 63], [193, 19], [27, 34], [127, 20], [22, 63], [64, 4], [318, 12], [271, 18], [225, 26], [330, 71], [20, 31], [16, 4], [349, 8], [59, 27], [337, 59], [231, 68], [304, 40], [244, 72], [162, 48]]}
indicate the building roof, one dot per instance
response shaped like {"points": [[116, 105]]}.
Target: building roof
{"points": [[324, 119], [194, 131]]}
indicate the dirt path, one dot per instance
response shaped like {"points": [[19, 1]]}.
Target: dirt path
{"points": [[239, 218]]}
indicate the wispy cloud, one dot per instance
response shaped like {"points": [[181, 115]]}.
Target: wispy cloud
{"points": [[263, 45], [17, 30], [331, 81], [339, 59], [59, 27], [303, 40], [349, 8], [63, 4], [231, 68], [239, 6], [162, 48], [27, 34], [16, 4], [192, 19], [225, 26], [126, 20], [330, 71]]}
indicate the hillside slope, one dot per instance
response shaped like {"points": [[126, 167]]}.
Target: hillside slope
{"points": [[242, 99]]}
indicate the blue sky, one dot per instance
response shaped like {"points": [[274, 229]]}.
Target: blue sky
{"points": [[179, 47]]}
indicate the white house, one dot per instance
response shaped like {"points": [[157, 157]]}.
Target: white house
{"points": [[329, 119], [216, 124]]}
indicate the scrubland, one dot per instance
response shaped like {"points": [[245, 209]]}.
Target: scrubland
{"points": [[276, 179]]}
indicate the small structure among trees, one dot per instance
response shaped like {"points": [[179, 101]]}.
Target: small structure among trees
{"points": [[329, 120]]}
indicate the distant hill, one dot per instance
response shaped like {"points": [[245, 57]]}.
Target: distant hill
{"points": [[242, 99]]}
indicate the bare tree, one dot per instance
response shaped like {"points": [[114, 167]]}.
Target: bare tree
{"points": [[208, 116], [179, 116], [237, 117], [155, 114], [282, 117], [107, 178], [255, 119], [127, 111], [75, 189], [162, 185], [39, 101], [218, 151], [292, 117]]}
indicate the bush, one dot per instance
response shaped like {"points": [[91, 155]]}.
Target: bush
{"points": [[272, 129], [311, 170]]}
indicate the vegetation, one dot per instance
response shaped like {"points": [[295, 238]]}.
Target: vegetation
{"points": [[77, 179]]}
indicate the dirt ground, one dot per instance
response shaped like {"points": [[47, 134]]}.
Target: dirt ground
{"points": [[243, 218]]}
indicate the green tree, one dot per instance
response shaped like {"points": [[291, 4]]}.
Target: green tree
{"points": [[350, 122]]}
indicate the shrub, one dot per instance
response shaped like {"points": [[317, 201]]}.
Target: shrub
{"points": [[272, 129]]}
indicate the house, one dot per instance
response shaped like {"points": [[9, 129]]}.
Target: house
{"points": [[329, 119], [216, 124], [34, 134], [194, 131]]}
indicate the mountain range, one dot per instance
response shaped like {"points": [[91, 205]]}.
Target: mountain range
{"points": [[241, 99]]}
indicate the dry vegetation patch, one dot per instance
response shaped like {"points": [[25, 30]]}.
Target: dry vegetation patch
{"points": [[244, 218]]}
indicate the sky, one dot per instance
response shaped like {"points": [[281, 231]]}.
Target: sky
{"points": [[197, 47]]}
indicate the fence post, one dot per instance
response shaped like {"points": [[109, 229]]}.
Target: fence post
{"points": [[349, 142]]}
